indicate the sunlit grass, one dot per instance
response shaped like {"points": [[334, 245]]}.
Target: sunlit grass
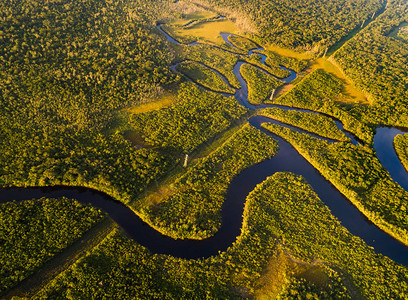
{"points": [[166, 100], [290, 53], [208, 31], [351, 92]]}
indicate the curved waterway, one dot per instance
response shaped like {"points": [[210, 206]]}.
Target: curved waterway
{"points": [[286, 160]]}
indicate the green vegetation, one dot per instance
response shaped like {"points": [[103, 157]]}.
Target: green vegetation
{"points": [[80, 158], [260, 84], [196, 116], [213, 57], [283, 208], [305, 25], [377, 63], [74, 63], [242, 42], [401, 147], [31, 232], [204, 76], [193, 208], [275, 60], [316, 92], [78, 77], [403, 33], [206, 31], [256, 60], [309, 231], [357, 173], [312, 122]]}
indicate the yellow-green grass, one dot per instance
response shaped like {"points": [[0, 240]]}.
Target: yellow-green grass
{"points": [[290, 53], [207, 31], [351, 92], [329, 65], [165, 100]]}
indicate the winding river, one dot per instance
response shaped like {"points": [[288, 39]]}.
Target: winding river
{"points": [[287, 160]]}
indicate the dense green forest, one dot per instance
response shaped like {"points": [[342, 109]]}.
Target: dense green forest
{"points": [[306, 25], [357, 173], [401, 147], [275, 61], [312, 122], [194, 118], [192, 207], [260, 84], [318, 92], [286, 227], [204, 76], [72, 77], [31, 232], [377, 62]]}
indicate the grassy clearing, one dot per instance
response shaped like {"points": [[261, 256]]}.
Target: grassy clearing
{"points": [[206, 31], [165, 100], [350, 93]]}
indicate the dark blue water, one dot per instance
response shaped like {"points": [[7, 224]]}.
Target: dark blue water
{"points": [[384, 146]]}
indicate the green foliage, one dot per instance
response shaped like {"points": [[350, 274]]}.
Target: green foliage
{"points": [[203, 75], [357, 173], [377, 63], [300, 288], [84, 158], [242, 42], [401, 147], [283, 207], [308, 229], [193, 209], [275, 60], [256, 60], [260, 84], [73, 63], [31, 232], [312, 122], [194, 118], [306, 25], [316, 92], [214, 57]]}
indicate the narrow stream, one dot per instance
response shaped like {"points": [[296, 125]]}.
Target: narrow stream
{"points": [[287, 160]]}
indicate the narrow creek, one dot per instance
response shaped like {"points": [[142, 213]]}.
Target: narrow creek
{"points": [[286, 160]]}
